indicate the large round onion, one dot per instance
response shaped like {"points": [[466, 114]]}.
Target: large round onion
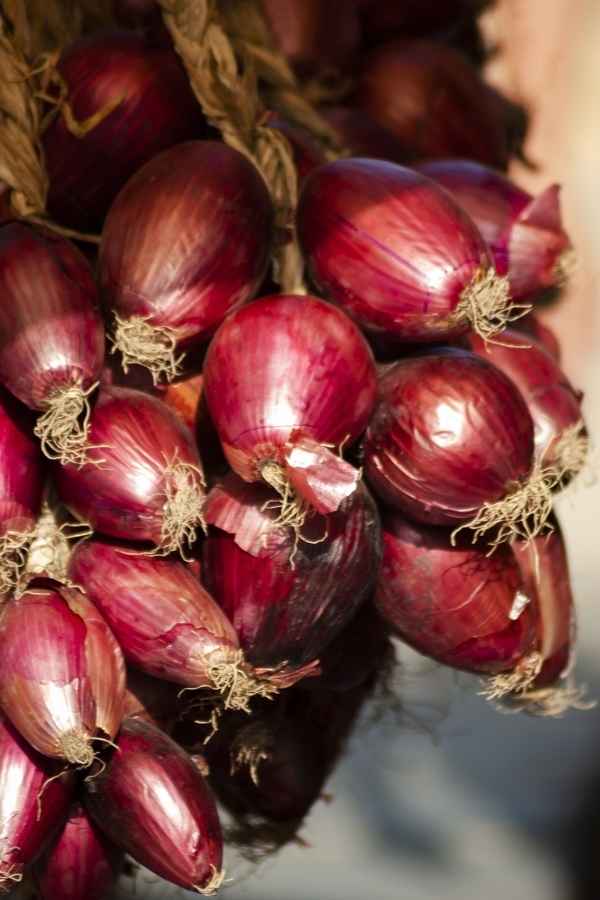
{"points": [[129, 100], [185, 242], [398, 253], [286, 380]]}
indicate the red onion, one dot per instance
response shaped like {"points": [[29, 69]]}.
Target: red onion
{"points": [[127, 101], [362, 136], [555, 406], [459, 604], [151, 699], [51, 335], [62, 675], [533, 326], [34, 800], [153, 802], [144, 479], [284, 614], [307, 152], [167, 624], [82, 864], [398, 253], [525, 234], [21, 482], [286, 379], [167, 266], [452, 441], [443, 109]]}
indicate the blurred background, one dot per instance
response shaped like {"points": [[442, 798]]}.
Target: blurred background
{"points": [[456, 799]]}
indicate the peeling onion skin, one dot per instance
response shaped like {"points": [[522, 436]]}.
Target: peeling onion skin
{"points": [[553, 403], [285, 374], [392, 248], [26, 825], [165, 621], [135, 439], [284, 614], [187, 240], [451, 433], [81, 865], [21, 467], [51, 331], [179, 840], [524, 233], [453, 603], [86, 173]]}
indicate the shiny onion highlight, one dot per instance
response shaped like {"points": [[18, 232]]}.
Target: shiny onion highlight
{"points": [[51, 335], [186, 241], [398, 253]]}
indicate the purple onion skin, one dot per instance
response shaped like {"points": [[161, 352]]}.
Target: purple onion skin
{"points": [[180, 840], [157, 109], [362, 136], [32, 808], [454, 603], [389, 246], [444, 108], [165, 621], [284, 614], [121, 491], [451, 433], [187, 240], [21, 468], [51, 331], [524, 233], [82, 864], [553, 403]]}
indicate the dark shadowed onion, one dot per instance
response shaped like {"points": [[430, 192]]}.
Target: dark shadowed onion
{"points": [[307, 152], [382, 19], [362, 136], [152, 801], [151, 699], [185, 242], [398, 253], [128, 100], [287, 380], [525, 234], [51, 335], [540, 332]]}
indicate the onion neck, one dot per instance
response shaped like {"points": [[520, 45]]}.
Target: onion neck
{"points": [[154, 347], [485, 304], [63, 427]]}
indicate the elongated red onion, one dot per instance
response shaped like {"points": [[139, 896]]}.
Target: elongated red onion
{"points": [[151, 699], [81, 865], [62, 674], [33, 803], [398, 253], [444, 108], [128, 99], [144, 478], [283, 614], [287, 379], [51, 335], [525, 234], [153, 802], [459, 604], [167, 624], [452, 441], [186, 241], [540, 332], [555, 406], [21, 483], [362, 136]]}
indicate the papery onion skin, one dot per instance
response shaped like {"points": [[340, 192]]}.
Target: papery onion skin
{"points": [[155, 109], [81, 865], [450, 434], [444, 108], [62, 677], [32, 807], [525, 234], [391, 248], [138, 445], [284, 377], [362, 136], [165, 621], [456, 604], [51, 331], [180, 840], [283, 613], [187, 240], [554, 405]]}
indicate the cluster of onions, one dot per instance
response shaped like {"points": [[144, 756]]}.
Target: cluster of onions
{"points": [[263, 504]]}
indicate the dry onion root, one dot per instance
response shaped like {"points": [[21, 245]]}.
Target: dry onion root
{"points": [[143, 344], [63, 428], [485, 304]]}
